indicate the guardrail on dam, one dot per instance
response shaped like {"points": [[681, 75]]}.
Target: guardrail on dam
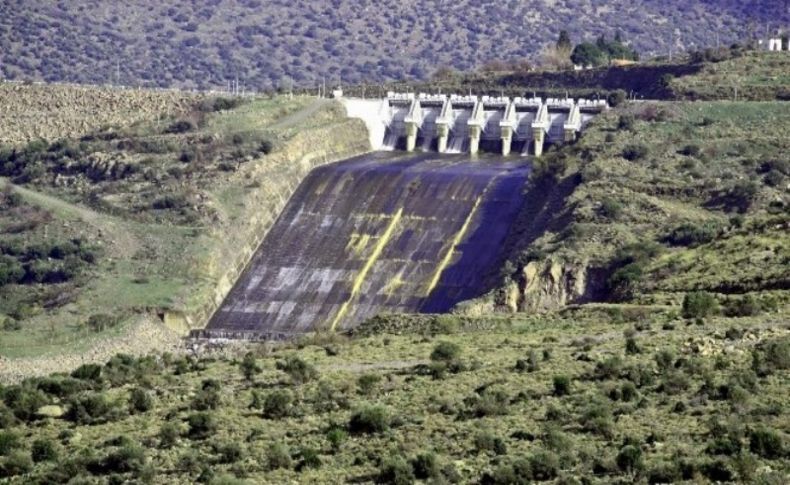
{"points": [[383, 232], [468, 124]]}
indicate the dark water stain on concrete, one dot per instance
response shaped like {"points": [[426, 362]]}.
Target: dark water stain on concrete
{"points": [[384, 232]]}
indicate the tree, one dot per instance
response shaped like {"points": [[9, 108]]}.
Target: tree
{"points": [[587, 54], [564, 41]]}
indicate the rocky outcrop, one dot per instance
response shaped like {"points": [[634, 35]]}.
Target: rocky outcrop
{"points": [[548, 285]]}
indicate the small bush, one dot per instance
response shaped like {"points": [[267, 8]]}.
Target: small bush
{"points": [[278, 404], [425, 466], [297, 369], [699, 304], [766, 443], [692, 235], [44, 450], [396, 471], [141, 400], [626, 122], [201, 425], [229, 452], [629, 459], [277, 456], [562, 385], [16, 463], [487, 441], [208, 396], [249, 366], [9, 441], [691, 150], [445, 352], [180, 126], [616, 98], [545, 465], [127, 458], [309, 458], [367, 383], [169, 433], [634, 152], [336, 436], [369, 419], [90, 408]]}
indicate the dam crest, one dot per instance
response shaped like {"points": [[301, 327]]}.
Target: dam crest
{"points": [[470, 124]]}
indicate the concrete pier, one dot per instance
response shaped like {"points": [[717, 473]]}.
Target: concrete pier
{"points": [[458, 124]]}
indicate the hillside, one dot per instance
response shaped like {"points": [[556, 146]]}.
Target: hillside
{"points": [[207, 44], [105, 235]]}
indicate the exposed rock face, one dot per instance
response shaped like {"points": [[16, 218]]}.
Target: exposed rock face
{"points": [[549, 285]]}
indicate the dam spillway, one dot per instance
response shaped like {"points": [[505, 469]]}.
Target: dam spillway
{"points": [[385, 232]]}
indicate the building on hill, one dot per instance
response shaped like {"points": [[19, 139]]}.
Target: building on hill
{"points": [[776, 44]]}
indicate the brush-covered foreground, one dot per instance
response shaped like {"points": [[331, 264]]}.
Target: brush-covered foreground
{"points": [[592, 395]]}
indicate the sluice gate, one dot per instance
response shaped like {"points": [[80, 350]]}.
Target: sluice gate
{"points": [[468, 124]]}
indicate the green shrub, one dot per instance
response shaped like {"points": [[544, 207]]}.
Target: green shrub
{"points": [[367, 383], [249, 366], [745, 306], [309, 458], [369, 419], [516, 472], [396, 471], [90, 408], [699, 304], [626, 122], [11, 270], [634, 152], [692, 235], [487, 441], [629, 459], [445, 352], [278, 404], [766, 443], [229, 452], [771, 356], [616, 98], [128, 458], [277, 456], [609, 368], [180, 126], [208, 396], [9, 441], [562, 385], [169, 434], [425, 466], [16, 463], [297, 369], [140, 400], [43, 449], [544, 465], [201, 425], [24, 402], [691, 150], [336, 437], [631, 347], [611, 208]]}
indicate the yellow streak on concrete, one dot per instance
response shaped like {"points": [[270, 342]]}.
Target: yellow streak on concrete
{"points": [[377, 250], [448, 256], [358, 243]]}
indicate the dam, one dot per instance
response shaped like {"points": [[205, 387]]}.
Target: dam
{"points": [[417, 225], [383, 232], [470, 124]]}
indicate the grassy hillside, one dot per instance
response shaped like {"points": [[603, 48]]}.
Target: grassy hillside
{"points": [[101, 233], [588, 396], [657, 200], [757, 76], [198, 44]]}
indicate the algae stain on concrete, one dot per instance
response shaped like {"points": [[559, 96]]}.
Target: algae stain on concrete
{"points": [[377, 249]]}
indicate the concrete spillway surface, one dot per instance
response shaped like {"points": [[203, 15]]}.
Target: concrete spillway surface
{"points": [[458, 141], [379, 233], [395, 132], [426, 137]]}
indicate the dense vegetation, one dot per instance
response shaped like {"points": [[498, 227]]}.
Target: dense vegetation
{"points": [[589, 396], [274, 43]]}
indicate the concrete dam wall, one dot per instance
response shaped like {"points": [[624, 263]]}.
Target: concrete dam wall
{"points": [[380, 233]]}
